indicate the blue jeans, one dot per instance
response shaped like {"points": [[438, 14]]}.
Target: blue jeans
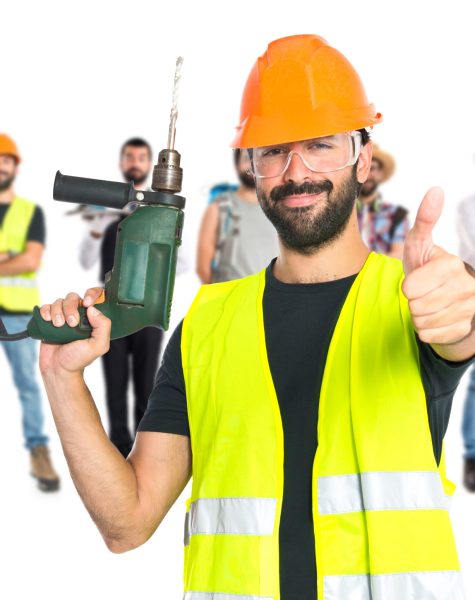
{"points": [[468, 423], [22, 356]]}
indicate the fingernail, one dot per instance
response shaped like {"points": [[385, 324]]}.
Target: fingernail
{"points": [[71, 321], [58, 321], [87, 300], [93, 311], [47, 316]]}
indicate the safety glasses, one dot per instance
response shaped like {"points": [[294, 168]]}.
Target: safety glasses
{"points": [[320, 155]]}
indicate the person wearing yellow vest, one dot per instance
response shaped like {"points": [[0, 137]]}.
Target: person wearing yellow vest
{"points": [[309, 414], [22, 237]]}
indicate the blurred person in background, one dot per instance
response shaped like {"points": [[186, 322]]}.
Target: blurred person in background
{"points": [[466, 232], [96, 219], [236, 239], [22, 239], [383, 226], [135, 356], [135, 164], [218, 189]]}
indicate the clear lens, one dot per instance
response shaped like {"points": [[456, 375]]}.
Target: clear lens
{"points": [[321, 155]]}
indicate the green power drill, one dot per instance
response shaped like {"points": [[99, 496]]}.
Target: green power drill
{"points": [[139, 289]]}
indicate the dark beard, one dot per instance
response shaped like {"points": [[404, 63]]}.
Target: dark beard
{"points": [[135, 179], [246, 180], [367, 189], [6, 184], [304, 229]]}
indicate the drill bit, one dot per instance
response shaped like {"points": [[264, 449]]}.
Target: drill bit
{"points": [[174, 110], [167, 173]]}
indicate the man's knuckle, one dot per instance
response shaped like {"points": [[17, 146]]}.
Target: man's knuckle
{"points": [[57, 306], [456, 264], [417, 322], [424, 336], [407, 289], [414, 307]]}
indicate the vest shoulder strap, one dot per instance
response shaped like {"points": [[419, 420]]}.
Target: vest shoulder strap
{"points": [[14, 229], [19, 215], [228, 217], [217, 293]]}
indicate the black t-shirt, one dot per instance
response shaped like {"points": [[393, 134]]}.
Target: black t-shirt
{"points": [[36, 233], [299, 321]]}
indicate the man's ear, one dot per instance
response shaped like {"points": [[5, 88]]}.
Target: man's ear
{"points": [[363, 165]]}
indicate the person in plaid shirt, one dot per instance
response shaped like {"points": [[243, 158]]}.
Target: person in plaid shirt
{"points": [[383, 226]]}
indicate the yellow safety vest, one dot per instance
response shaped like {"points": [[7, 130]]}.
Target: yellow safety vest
{"points": [[380, 502], [17, 292]]}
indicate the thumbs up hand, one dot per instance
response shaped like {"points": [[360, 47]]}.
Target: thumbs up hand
{"points": [[439, 286]]}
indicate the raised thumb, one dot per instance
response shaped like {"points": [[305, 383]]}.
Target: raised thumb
{"points": [[418, 247]]}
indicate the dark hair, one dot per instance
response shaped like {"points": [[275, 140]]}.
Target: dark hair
{"points": [[236, 156], [136, 142], [365, 137]]}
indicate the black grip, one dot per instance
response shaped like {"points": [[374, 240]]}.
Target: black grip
{"points": [[81, 190]]}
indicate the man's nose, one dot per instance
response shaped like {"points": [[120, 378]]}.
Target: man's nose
{"points": [[296, 170]]}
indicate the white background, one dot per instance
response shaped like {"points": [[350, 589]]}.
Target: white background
{"points": [[77, 79]]}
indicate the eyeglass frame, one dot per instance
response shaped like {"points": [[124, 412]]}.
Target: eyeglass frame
{"points": [[355, 136]]}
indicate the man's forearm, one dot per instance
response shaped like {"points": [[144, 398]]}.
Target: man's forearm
{"points": [[204, 274], [105, 481], [17, 265]]}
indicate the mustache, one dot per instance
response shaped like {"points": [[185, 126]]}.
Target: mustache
{"points": [[308, 187]]}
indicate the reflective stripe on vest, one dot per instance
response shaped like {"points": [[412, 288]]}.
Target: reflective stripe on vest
{"points": [[432, 585], [419, 490], [231, 516], [218, 596], [18, 282], [443, 585]]}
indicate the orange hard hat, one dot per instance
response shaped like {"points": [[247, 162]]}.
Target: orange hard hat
{"points": [[8, 146], [299, 89]]}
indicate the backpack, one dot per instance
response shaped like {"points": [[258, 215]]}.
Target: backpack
{"points": [[228, 230]]}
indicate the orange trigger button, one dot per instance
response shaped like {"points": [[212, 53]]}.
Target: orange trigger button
{"points": [[100, 300]]}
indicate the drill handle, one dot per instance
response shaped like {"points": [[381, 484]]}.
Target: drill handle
{"points": [[82, 190], [39, 329]]}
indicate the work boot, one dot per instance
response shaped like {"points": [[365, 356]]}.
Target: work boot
{"points": [[42, 469], [469, 474]]}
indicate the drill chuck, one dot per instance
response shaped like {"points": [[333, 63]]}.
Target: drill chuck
{"points": [[167, 173]]}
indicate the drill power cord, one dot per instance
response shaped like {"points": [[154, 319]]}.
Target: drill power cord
{"points": [[11, 337]]}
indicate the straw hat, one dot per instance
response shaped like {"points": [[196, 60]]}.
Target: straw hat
{"points": [[387, 162]]}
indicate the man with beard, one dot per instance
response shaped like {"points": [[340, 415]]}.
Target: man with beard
{"points": [[309, 401], [134, 357], [22, 239], [383, 226], [235, 239], [135, 164]]}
